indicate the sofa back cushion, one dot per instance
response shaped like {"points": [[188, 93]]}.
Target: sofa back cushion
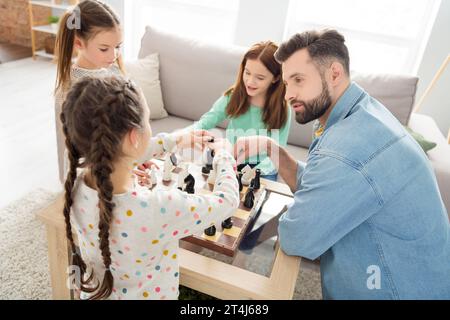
{"points": [[194, 74], [396, 92]]}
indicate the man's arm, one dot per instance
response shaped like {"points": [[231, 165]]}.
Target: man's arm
{"points": [[287, 166]]}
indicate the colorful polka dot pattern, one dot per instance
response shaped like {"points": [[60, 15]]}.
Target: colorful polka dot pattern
{"points": [[144, 234]]}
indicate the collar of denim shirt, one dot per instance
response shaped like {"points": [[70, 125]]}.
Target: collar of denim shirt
{"points": [[345, 104]]}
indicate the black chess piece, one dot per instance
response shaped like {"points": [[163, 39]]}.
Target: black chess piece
{"points": [[173, 159], [257, 182], [239, 178], [210, 231], [209, 160], [206, 169], [249, 198], [227, 224], [190, 184]]}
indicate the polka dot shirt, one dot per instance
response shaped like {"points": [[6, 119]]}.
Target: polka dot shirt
{"points": [[146, 228]]}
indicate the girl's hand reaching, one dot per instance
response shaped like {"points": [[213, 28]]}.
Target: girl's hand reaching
{"points": [[142, 176], [193, 139]]}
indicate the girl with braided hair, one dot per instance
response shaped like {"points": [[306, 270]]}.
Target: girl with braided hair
{"points": [[128, 235]]}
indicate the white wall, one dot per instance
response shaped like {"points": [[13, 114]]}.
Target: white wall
{"points": [[260, 20], [437, 105], [118, 6]]}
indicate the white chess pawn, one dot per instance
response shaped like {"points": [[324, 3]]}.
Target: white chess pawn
{"points": [[247, 175], [211, 177], [153, 178], [168, 166]]}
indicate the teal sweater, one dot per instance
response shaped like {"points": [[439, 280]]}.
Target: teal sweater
{"points": [[248, 124]]}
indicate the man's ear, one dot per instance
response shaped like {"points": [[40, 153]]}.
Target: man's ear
{"points": [[337, 73]]}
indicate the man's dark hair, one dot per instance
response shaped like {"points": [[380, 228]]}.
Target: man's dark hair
{"points": [[322, 46]]}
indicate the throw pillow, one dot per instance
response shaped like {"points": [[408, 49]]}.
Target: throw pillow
{"points": [[145, 73], [424, 143]]}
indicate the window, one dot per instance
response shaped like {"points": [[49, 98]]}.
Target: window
{"points": [[383, 36], [210, 20]]}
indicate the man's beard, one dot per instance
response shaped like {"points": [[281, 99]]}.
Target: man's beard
{"points": [[314, 108]]}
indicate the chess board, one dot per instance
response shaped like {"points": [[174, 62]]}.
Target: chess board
{"points": [[225, 241]]}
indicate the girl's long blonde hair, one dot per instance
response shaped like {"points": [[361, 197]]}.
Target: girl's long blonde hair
{"points": [[85, 20]]}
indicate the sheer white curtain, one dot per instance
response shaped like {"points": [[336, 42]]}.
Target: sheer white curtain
{"points": [[211, 20], [382, 35]]}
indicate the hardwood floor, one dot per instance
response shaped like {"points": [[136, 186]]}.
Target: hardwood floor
{"points": [[27, 129], [11, 52]]}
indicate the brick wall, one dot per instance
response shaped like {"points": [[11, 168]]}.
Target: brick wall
{"points": [[15, 23]]}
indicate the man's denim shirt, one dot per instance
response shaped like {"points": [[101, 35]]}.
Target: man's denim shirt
{"points": [[367, 203]]}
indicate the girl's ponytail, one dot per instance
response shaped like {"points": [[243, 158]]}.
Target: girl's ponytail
{"points": [[64, 51]]}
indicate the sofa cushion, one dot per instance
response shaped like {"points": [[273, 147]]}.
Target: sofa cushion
{"points": [[395, 92], [193, 74], [145, 72], [169, 124]]}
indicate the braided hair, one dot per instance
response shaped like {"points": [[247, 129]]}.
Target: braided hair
{"points": [[96, 115]]}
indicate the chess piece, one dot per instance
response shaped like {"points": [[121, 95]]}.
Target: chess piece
{"points": [[239, 178], [153, 177], [227, 224], [152, 180], [209, 160], [173, 159], [182, 176], [211, 231], [211, 177], [247, 175], [249, 198], [168, 167], [190, 184], [205, 169], [257, 182]]}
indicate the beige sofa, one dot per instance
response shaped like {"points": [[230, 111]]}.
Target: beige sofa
{"points": [[194, 74]]}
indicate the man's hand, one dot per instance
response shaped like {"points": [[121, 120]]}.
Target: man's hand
{"points": [[247, 147]]}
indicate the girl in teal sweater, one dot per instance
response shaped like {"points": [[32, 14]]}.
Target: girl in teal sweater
{"points": [[254, 105]]}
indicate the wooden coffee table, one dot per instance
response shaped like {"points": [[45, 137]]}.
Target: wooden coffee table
{"points": [[259, 272]]}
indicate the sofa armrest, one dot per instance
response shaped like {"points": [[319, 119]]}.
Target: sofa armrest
{"points": [[439, 156]]}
